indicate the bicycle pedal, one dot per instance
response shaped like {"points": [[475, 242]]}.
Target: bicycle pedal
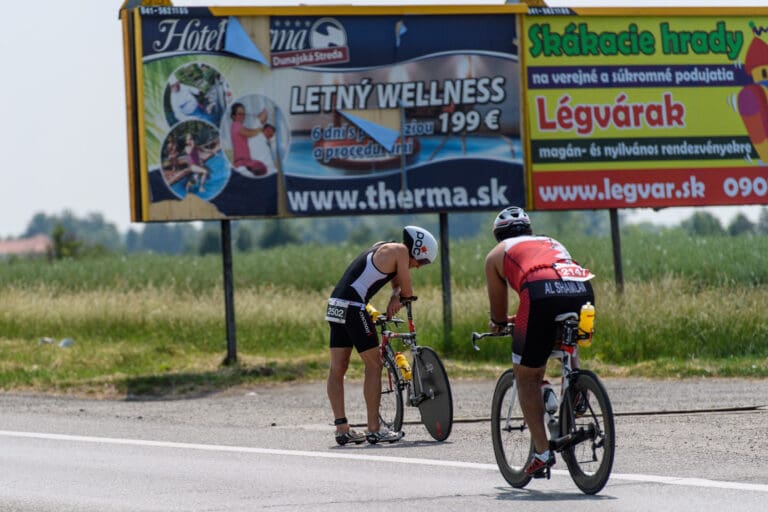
{"points": [[543, 473]]}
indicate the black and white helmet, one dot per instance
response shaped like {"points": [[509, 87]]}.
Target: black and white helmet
{"points": [[511, 222], [421, 245]]}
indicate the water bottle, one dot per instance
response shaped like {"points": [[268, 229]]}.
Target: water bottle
{"points": [[549, 397], [586, 324], [402, 363], [372, 311]]}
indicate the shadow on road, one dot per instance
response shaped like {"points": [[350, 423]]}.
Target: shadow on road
{"points": [[512, 494]]}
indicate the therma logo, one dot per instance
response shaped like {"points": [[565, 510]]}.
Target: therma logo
{"points": [[300, 42], [327, 33]]}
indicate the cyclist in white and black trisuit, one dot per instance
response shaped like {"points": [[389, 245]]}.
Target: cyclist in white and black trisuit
{"points": [[351, 325], [548, 283]]}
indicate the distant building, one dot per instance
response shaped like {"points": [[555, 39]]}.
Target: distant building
{"points": [[38, 245]]}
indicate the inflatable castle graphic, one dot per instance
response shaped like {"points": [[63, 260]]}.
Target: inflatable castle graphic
{"points": [[753, 98]]}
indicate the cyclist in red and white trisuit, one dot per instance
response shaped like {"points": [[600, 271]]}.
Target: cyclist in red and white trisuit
{"points": [[351, 325], [548, 283]]}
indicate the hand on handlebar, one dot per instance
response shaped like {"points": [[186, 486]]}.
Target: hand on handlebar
{"points": [[495, 331], [380, 318], [393, 307], [398, 301], [502, 328]]}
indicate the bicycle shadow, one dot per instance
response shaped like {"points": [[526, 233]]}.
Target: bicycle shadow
{"points": [[533, 495], [399, 445]]}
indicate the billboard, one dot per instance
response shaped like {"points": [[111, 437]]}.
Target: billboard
{"points": [[646, 108], [306, 111]]}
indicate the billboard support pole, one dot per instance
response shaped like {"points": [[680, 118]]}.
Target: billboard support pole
{"points": [[445, 274], [229, 300], [616, 239]]}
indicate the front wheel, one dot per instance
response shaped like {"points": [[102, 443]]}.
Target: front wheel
{"points": [[391, 403], [587, 414], [433, 391], [512, 444]]}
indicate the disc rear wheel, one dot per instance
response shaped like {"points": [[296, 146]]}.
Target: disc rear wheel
{"points": [[434, 392]]}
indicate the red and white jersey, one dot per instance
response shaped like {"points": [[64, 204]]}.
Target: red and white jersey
{"points": [[545, 256]]}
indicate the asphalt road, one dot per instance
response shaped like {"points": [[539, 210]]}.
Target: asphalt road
{"points": [[681, 445]]}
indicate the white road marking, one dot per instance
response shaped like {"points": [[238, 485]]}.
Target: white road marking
{"points": [[666, 480]]}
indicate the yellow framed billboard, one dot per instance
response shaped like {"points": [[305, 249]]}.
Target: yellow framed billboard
{"points": [[305, 111], [645, 107]]}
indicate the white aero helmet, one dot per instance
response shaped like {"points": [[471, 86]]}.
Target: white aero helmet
{"points": [[511, 222], [421, 245]]}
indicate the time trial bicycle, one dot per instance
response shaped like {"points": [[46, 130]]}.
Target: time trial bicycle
{"points": [[581, 429], [423, 381]]}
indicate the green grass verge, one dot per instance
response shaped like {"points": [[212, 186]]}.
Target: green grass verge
{"points": [[154, 325]]}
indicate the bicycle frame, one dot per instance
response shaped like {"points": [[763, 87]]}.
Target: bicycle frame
{"points": [[414, 385], [581, 428], [565, 350]]}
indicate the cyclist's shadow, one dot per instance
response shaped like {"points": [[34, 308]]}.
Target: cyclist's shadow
{"points": [[512, 494]]}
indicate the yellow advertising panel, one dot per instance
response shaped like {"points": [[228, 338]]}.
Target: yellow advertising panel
{"points": [[661, 108]]}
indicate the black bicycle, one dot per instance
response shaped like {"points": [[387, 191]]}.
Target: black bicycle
{"points": [[581, 429], [423, 380]]}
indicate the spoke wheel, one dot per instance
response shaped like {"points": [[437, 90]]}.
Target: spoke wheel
{"points": [[590, 461], [391, 404], [510, 435]]}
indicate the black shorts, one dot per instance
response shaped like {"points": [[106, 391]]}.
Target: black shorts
{"points": [[358, 331], [540, 303]]}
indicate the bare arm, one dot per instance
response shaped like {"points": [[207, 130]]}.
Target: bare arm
{"points": [[252, 132], [497, 286], [393, 257], [249, 132]]}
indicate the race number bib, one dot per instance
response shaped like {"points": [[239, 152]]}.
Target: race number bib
{"points": [[337, 311], [572, 272]]}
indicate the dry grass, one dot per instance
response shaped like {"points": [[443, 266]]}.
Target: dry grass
{"points": [[161, 341]]}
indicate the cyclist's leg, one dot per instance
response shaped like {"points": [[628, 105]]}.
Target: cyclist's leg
{"points": [[335, 389], [362, 332], [335, 386], [340, 352], [533, 340], [529, 393], [372, 391], [372, 386], [530, 352]]}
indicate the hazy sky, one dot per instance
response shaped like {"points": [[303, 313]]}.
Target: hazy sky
{"points": [[62, 107]]}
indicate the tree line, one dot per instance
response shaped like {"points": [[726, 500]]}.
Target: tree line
{"points": [[74, 236]]}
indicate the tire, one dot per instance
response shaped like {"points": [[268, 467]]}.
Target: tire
{"points": [[391, 403], [511, 438], [590, 461], [437, 409]]}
